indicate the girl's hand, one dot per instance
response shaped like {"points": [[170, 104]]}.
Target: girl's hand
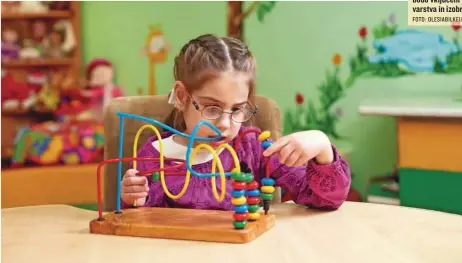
{"points": [[298, 148], [134, 188]]}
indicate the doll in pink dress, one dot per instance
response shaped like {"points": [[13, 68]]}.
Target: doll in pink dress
{"points": [[100, 86]]}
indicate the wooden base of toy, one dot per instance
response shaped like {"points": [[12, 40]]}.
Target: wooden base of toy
{"points": [[183, 224]]}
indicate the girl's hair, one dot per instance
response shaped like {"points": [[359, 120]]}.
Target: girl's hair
{"points": [[203, 59]]}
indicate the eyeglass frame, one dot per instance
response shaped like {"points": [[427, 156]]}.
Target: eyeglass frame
{"points": [[196, 106]]}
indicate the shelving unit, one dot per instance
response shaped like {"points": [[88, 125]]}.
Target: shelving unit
{"points": [[22, 23]]}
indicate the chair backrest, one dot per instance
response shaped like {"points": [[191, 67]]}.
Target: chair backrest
{"points": [[157, 108]]}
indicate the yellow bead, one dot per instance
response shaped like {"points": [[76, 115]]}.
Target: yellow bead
{"points": [[254, 216], [267, 189], [264, 135], [239, 201], [236, 170]]}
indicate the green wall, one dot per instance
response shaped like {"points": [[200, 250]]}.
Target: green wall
{"points": [[293, 47]]}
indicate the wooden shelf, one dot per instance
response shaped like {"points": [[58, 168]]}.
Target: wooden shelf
{"points": [[38, 63], [49, 14]]}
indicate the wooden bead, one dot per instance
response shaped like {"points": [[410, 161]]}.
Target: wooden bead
{"points": [[264, 135], [266, 144], [252, 185], [239, 201], [241, 208], [155, 176], [253, 200], [266, 196], [240, 224], [254, 216], [237, 193], [267, 181], [241, 216], [253, 208], [238, 185], [254, 192], [267, 189], [248, 177], [238, 177]]}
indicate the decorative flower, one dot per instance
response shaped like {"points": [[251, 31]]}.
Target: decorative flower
{"points": [[299, 99], [362, 32], [455, 26], [392, 18], [336, 59]]}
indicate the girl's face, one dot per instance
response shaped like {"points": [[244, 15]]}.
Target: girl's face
{"points": [[229, 92]]}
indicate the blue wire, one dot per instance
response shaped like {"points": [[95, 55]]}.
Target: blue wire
{"points": [[190, 146], [119, 168]]}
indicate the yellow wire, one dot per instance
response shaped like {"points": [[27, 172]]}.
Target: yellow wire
{"points": [[162, 173], [216, 161]]}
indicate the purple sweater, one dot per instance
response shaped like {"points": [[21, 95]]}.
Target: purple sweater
{"points": [[312, 185]]}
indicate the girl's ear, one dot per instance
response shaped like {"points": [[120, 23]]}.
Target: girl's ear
{"points": [[180, 95]]}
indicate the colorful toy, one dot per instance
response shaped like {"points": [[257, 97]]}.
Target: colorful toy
{"points": [[206, 225]]}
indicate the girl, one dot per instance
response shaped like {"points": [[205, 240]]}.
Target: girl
{"points": [[215, 80]]}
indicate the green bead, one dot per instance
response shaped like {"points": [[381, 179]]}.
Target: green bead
{"points": [[266, 196], [248, 177], [240, 224], [155, 176], [239, 177], [253, 208]]}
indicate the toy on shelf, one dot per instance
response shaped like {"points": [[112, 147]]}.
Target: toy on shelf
{"points": [[241, 225]]}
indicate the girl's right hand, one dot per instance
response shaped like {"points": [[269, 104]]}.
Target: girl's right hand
{"points": [[134, 188]]}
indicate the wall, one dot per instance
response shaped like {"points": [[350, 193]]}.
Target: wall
{"points": [[293, 46]]}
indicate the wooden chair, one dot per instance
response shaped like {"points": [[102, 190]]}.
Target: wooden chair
{"points": [[157, 107]]}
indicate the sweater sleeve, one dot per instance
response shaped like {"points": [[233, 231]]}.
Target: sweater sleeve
{"points": [[156, 194], [313, 185]]}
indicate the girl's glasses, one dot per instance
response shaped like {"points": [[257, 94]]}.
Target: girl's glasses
{"points": [[240, 115]]}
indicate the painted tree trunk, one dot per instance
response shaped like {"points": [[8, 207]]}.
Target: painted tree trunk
{"points": [[235, 27]]}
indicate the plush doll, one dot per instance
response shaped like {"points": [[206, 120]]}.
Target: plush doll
{"points": [[10, 47], [100, 86]]}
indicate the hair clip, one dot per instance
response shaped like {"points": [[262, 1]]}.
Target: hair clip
{"points": [[171, 97]]}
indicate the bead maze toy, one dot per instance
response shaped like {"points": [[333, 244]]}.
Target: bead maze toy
{"points": [[245, 223]]}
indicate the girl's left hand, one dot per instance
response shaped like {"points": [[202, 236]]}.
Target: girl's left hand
{"points": [[298, 148]]}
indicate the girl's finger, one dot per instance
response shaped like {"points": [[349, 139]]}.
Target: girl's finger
{"points": [[285, 152], [301, 161], [135, 188], [135, 180], [135, 195], [294, 156]]}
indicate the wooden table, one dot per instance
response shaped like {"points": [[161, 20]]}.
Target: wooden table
{"points": [[429, 137], [357, 232]]}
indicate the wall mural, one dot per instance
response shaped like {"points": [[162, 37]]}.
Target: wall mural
{"points": [[398, 53], [156, 49], [237, 14]]}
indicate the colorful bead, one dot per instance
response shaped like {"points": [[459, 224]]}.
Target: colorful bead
{"points": [[240, 177], [239, 201], [155, 176], [266, 144], [253, 200], [241, 208], [239, 185], [248, 177], [267, 181], [253, 208], [252, 185], [238, 193], [254, 192], [267, 189], [240, 224], [264, 135], [254, 216], [266, 196], [241, 216]]}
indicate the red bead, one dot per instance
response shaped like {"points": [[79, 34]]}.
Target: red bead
{"points": [[252, 185], [238, 185], [240, 216], [253, 200]]}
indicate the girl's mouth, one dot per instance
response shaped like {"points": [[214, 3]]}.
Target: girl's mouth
{"points": [[223, 140]]}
